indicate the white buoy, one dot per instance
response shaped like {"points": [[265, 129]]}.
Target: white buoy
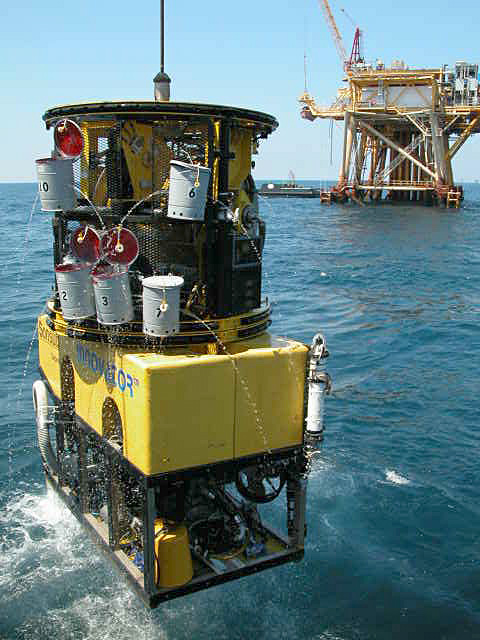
{"points": [[161, 305], [75, 290], [40, 405], [187, 191], [55, 184], [319, 385]]}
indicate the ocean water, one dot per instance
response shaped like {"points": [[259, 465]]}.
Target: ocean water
{"points": [[393, 546]]}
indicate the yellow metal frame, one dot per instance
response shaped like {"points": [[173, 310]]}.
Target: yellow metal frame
{"points": [[226, 331], [389, 123], [140, 164]]}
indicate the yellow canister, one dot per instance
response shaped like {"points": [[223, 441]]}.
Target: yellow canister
{"points": [[173, 560]]}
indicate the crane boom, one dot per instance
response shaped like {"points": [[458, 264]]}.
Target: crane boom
{"points": [[337, 38]]}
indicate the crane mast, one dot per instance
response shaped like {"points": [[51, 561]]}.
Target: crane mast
{"points": [[337, 38]]}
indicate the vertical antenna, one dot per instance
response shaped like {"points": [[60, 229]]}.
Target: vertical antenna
{"points": [[331, 141], [161, 82], [162, 36], [305, 69], [305, 52]]}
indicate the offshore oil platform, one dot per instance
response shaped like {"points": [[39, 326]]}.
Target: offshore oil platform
{"points": [[167, 414], [402, 126]]}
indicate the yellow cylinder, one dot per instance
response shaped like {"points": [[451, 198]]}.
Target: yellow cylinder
{"points": [[173, 560]]}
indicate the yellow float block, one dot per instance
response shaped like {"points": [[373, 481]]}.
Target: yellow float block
{"points": [[269, 395], [179, 409], [185, 417]]}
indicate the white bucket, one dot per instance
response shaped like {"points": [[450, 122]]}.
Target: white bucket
{"points": [[75, 291], [55, 184], [161, 305], [187, 193], [113, 297]]}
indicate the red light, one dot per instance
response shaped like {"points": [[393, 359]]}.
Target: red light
{"points": [[85, 244], [68, 139], [119, 246]]}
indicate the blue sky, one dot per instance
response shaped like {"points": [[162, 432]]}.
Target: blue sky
{"points": [[246, 54]]}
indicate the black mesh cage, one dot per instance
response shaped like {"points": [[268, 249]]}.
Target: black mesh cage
{"points": [[122, 179], [124, 171], [126, 163], [166, 247]]}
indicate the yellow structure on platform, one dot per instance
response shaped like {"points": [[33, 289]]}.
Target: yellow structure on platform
{"points": [[402, 128]]}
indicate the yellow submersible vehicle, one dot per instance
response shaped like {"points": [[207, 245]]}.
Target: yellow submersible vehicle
{"points": [[167, 414]]}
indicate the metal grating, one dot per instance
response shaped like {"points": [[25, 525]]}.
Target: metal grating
{"points": [[125, 167], [183, 141], [167, 247], [127, 162]]}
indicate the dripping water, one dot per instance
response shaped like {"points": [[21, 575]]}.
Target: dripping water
{"points": [[290, 355], [251, 401], [11, 422], [137, 204], [84, 195]]}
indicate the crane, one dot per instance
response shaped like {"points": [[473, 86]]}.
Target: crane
{"points": [[337, 38], [350, 64], [355, 55]]}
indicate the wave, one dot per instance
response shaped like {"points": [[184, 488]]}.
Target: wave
{"points": [[395, 478]]}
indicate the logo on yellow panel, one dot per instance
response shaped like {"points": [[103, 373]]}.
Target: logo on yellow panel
{"points": [[114, 376]]}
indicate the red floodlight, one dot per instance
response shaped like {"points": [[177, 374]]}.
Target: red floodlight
{"points": [[68, 139], [85, 244], [119, 246], [306, 114]]}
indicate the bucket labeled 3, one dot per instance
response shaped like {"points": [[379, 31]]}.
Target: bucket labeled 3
{"points": [[113, 297]]}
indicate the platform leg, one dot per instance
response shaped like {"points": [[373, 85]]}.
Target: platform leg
{"points": [[60, 438], [296, 502], [149, 540], [82, 470], [111, 506]]}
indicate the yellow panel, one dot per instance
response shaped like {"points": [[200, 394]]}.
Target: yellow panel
{"points": [[269, 399], [100, 372], [176, 410], [239, 167], [181, 410], [216, 162], [84, 159], [93, 181], [185, 418], [48, 354], [137, 147]]}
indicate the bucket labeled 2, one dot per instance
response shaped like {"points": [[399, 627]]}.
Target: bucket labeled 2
{"points": [[161, 305], [113, 297], [55, 184], [75, 291], [187, 191]]}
